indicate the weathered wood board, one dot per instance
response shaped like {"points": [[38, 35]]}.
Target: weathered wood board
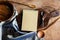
{"points": [[53, 32]]}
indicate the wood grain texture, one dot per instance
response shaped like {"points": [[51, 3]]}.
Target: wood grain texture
{"points": [[53, 32]]}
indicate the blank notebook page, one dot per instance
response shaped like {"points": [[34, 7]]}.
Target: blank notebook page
{"points": [[29, 21]]}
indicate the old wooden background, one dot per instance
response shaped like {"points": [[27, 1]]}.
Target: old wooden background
{"points": [[53, 32]]}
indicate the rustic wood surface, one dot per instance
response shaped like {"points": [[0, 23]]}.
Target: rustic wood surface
{"points": [[53, 32]]}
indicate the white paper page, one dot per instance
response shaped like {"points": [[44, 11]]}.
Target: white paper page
{"points": [[29, 21]]}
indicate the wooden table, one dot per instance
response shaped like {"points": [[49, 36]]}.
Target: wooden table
{"points": [[53, 32]]}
